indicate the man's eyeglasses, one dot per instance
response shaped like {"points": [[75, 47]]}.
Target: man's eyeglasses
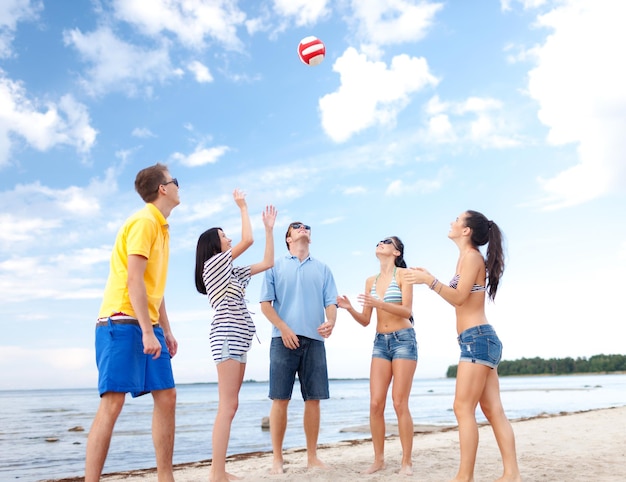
{"points": [[387, 241], [173, 181], [299, 226]]}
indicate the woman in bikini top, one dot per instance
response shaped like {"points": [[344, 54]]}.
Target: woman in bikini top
{"points": [[394, 353], [393, 293], [477, 381]]}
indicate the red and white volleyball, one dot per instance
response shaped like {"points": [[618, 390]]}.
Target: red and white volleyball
{"points": [[311, 50]]}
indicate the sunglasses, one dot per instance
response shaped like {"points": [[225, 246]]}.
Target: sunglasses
{"points": [[173, 181], [387, 241], [299, 226]]}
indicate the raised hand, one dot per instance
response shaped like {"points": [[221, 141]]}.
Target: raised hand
{"points": [[269, 216], [240, 198]]}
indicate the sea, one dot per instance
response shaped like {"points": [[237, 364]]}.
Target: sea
{"points": [[43, 432]]}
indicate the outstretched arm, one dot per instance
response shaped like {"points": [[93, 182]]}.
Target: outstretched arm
{"points": [[467, 270], [269, 218], [246, 227], [365, 316]]}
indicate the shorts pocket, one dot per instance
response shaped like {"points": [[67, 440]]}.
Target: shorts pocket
{"points": [[494, 351], [406, 336]]}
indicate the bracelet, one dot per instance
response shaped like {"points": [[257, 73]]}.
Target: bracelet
{"points": [[433, 285], [439, 290]]}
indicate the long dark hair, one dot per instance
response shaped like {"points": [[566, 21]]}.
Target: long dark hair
{"points": [[399, 245], [399, 261], [485, 231], [209, 244]]}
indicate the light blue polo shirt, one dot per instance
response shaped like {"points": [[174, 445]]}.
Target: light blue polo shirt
{"points": [[299, 292]]}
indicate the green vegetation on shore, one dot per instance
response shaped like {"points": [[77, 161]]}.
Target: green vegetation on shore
{"points": [[557, 366]]}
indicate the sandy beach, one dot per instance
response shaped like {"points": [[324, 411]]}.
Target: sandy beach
{"points": [[584, 446]]}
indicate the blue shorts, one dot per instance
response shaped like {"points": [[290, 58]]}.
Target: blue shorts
{"points": [[122, 365], [480, 344], [396, 345], [227, 355], [308, 361]]}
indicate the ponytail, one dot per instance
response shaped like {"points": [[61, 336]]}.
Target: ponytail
{"points": [[485, 231]]}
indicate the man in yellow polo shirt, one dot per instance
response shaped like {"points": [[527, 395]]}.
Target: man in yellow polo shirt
{"points": [[134, 341]]}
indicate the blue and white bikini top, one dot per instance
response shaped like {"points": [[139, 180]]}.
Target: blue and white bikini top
{"points": [[393, 293], [475, 289]]}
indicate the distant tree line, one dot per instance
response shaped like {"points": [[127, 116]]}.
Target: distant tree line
{"points": [[557, 366]]}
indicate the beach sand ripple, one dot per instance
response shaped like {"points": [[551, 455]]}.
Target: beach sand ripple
{"points": [[584, 446]]}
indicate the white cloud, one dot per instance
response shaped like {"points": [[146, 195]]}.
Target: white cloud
{"points": [[477, 120], [142, 132], [14, 229], [526, 4], [11, 13], [400, 187], [440, 129], [370, 92], [200, 71], [190, 21], [34, 212], [201, 156], [65, 279], [352, 190], [65, 123], [304, 12], [117, 65], [578, 83], [392, 22]]}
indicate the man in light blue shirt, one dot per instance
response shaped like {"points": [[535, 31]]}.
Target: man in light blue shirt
{"points": [[299, 298]]}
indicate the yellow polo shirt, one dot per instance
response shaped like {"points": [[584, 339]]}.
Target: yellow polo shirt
{"points": [[145, 233]]}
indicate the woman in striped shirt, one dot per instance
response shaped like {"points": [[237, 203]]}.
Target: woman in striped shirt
{"points": [[232, 328]]}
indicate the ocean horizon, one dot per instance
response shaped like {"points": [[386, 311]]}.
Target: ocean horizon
{"points": [[43, 431]]}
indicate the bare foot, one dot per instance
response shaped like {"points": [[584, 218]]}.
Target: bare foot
{"points": [[375, 467], [225, 477], [315, 463], [277, 467], [458, 479], [510, 478], [406, 470]]}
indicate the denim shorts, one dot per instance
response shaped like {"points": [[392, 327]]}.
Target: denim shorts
{"points": [[308, 361], [226, 355], [122, 365], [399, 344], [480, 344]]}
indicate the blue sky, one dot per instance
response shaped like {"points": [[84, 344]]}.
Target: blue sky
{"points": [[419, 111]]}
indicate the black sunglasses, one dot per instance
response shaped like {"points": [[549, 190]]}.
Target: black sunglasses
{"points": [[173, 181], [387, 241], [300, 225]]}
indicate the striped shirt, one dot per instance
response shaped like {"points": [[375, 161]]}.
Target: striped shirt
{"points": [[226, 287]]}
